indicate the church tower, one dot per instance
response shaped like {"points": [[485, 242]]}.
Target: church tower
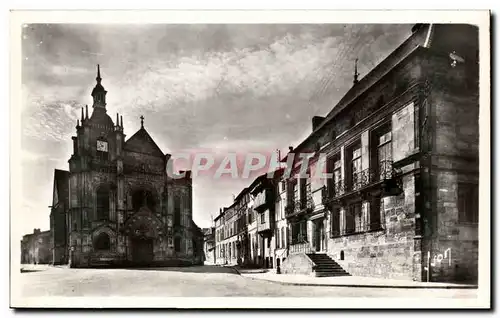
{"points": [[96, 177]]}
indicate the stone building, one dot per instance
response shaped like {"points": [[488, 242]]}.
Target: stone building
{"points": [[36, 248], [209, 245], [402, 148], [232, 239], [116, 206]]}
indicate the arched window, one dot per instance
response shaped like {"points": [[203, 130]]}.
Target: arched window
{"points": [[143, 198], [102, 242], [177, 210], [102, 204]]}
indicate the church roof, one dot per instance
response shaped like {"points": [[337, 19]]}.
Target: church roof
{"points": [[100, 117], [61, 187], [142, 142]]}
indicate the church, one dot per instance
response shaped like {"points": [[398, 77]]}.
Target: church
{"points": [[116, 206]]}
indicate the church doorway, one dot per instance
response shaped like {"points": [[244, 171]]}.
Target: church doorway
{"points": [[142, 251]]}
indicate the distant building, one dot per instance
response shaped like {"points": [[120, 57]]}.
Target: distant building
{"points": [[209, 244], [36, 248]]}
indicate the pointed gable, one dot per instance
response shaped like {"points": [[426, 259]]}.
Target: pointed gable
{"points": [[142, 142]]}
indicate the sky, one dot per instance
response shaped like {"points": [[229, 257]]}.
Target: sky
{"points": [[225, 88]]}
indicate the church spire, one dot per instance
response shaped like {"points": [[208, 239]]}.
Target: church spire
{"points": [[356, 74], [99, 93], [98, 78]]}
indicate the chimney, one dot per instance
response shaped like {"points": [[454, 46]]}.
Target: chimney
{"points": [[290, 149], [316, 121]]}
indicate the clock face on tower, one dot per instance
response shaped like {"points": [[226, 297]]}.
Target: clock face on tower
{"points": [[102, 146]]}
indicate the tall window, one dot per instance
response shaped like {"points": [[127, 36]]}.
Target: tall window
{"points": [[299, 232], [384, 152], [334, 167], [355, 167], [278, 238], [353, 218], [262, 218], [283, 238], [102, 204], [468, 203], [177, 244], [375, 209], [177, 210], [143, 198], [335, 227]]}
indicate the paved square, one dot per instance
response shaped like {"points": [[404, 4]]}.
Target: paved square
{"points": [[209, 281]]}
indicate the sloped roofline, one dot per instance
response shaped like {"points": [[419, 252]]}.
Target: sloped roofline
{"points": [[154, 143], [371, 78]]}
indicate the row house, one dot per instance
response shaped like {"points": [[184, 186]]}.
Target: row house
{"points": [[232, 246], [401, 148]]}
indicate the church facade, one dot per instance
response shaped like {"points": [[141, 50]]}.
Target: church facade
{"points": [[116, 206]]}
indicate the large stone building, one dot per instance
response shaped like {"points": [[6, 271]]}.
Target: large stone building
{"points": [[116, 205], [402, 150], [402, 146]]}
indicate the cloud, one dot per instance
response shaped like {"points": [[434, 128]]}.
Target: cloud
{"points": [[243, 87]]}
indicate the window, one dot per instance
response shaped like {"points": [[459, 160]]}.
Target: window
{"points": [[277, 238], [102, 204], [299, 232], [355, 167], [375, 209], [102, 242], [468, 203], [384, 152], [262, 218], [143, 198], [335, 226], [283, 238], [177, 210], [177, 244], [334, 167], [353, 218], [283, 186]]}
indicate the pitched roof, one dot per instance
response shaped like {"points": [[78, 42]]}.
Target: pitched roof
{"points": [[420, 37], [142, 142], [61, 187]]}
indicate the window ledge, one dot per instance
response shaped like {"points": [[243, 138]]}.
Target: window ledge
{"points": [[358, 232]]}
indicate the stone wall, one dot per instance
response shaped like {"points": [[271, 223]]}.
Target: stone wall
{"points": [[387, 253], [297, 264]]}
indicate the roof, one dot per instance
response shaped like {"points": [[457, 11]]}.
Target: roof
{"points": [[61, 187], [421, 37], [142, 142]]}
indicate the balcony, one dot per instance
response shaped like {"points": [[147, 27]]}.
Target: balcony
{"points": [[383, 175], [300, 206], [264, 223], [261, 200]]}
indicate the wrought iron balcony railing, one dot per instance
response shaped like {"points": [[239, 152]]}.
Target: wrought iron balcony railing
{"points": [[383, 171]]}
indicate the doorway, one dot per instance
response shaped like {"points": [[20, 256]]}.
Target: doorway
{"points": [[319, 235], [142, 251]]}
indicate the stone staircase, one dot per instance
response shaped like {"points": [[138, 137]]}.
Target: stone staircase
{"points": [[324, 266]]}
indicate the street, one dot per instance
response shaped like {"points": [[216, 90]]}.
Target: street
{"points": [[210, 281]]}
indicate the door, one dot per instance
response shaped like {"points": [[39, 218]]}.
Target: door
{"points": [[142, 251], [319, 237]]}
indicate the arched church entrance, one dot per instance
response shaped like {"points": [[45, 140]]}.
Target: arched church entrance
{"points": [[142, 251], [143, 230]]}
